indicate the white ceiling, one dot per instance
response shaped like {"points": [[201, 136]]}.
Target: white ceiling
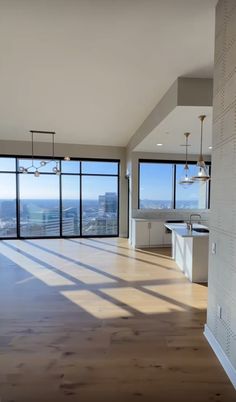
{"points": [[94, 69], [170, 132]]}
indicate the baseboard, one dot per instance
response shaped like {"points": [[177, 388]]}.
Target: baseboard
{"points": [[225, 362], [123, 235]]}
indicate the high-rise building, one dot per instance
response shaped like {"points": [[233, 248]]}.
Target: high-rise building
{"points": [[101, 205], [110, 202]]}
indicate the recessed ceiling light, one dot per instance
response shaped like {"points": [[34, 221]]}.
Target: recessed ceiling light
{"points": [[210, 147], [159, 145]]}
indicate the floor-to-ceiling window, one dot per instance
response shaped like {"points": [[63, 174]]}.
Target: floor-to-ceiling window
{"points": [[70, 197], [99, 198], [8, 222], [82, 200], [39, 214]]}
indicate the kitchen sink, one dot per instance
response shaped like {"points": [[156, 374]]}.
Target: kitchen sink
{"points": [[201, 230]]}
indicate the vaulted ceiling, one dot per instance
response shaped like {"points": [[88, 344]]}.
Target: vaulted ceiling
{"points": [[94, 69]]}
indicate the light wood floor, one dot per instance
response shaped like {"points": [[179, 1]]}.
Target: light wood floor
{"points": [[93, 320]]}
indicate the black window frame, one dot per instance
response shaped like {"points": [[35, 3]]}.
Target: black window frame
{"points": [[80, 174], [173, 163]]}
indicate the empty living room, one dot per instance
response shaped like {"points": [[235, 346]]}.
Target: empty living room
{"points": [[118, 200]]}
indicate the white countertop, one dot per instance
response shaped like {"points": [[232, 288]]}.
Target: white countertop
{"points": [[148, 219], [182, 230]]}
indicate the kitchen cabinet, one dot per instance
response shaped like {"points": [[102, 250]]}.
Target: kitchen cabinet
{"points": [[149, 233]]}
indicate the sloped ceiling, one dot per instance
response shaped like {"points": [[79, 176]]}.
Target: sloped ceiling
{"points": [[94, 69]]}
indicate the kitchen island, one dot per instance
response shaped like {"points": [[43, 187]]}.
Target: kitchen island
{"points": [[190, 250]]}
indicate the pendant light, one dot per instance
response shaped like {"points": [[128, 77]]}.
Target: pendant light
{"points": [[202, 174], [36, 169], [186, 180]]}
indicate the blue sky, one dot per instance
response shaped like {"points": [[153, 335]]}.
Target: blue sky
{"points": [[156, 182]]}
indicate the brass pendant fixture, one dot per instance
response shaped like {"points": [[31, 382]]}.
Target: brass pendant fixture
{"points": [[186, 180], [202, 174]]}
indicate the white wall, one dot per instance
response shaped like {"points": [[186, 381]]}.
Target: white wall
{"points": [[79, 151]]}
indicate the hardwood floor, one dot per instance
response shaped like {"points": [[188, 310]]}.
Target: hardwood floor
{"points": [[93, 320]]}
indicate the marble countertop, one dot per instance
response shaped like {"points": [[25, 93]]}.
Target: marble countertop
{"points": [[182, 230]]}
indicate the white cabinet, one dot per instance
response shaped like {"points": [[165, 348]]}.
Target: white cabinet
{"points": [[148, 233], [167, 238], [156, 233], [141, 234]]}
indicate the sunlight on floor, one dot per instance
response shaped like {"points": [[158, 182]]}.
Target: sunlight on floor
{"points": [[44, 274], [75, 270], [141, 301], [190, 292], [95, 305], [146, 296]]}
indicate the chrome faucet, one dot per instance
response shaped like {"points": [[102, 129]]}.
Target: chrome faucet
{"points": [[190, 224]]}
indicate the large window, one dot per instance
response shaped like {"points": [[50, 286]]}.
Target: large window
{"points": [[159, 187], [39, 205], [99, 198], [82, 201], [70, 192], [7, 197], [156, 185], [194, 196]]}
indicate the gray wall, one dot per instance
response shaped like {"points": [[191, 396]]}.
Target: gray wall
{"points": [[222, 265], [79, 151]]}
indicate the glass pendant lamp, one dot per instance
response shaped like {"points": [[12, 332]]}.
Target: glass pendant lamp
{"points": [[202, 174], [186, 180]]}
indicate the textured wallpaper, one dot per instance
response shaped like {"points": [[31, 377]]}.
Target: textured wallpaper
{"points": [[222, 265]]}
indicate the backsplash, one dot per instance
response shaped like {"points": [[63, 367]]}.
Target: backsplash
{"points": [[166, 214]]}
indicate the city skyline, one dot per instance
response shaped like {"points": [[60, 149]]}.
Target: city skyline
{"points": [[41, 217]]}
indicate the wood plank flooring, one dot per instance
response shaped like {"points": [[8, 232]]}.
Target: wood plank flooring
{"points": [[92, 320]]}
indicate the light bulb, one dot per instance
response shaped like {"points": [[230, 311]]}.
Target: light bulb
{"points": [[36, 173], [43, 163], [186, 181], [200, 173]]}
